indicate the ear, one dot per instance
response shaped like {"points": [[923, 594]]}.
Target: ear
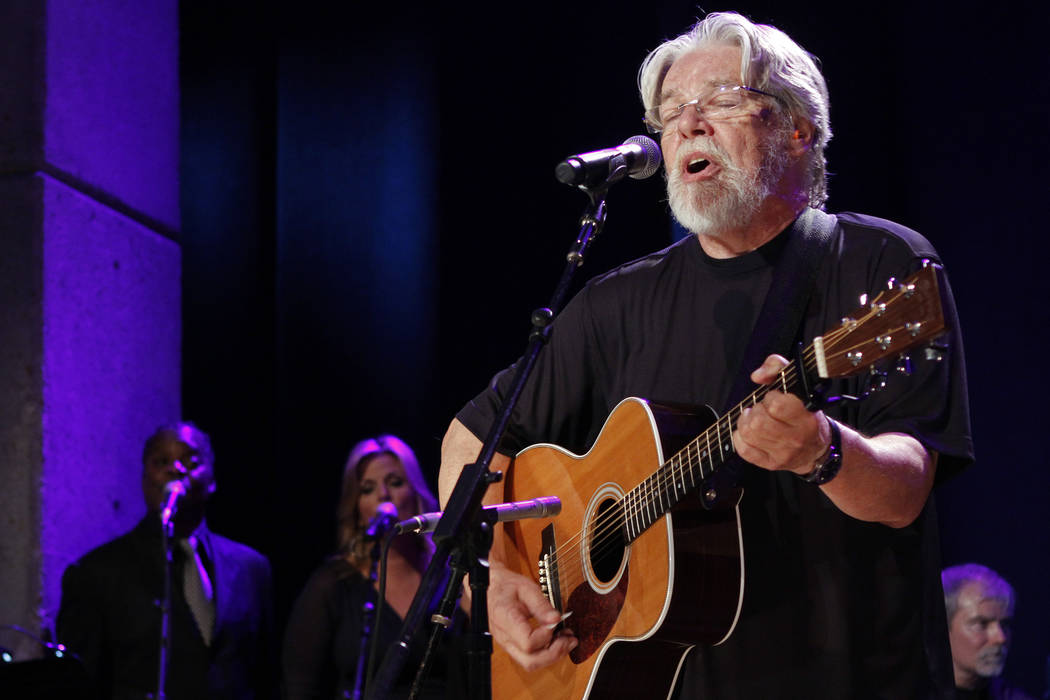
{"points": [[801, 138]]}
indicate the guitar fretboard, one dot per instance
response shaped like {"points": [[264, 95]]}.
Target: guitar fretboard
{"points": [[693, 464]]}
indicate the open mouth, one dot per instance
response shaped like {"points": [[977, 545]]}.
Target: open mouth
{"points": [[696, 165]]}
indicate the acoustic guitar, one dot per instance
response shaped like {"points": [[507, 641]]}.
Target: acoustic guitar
{"points": [[641, 564]]}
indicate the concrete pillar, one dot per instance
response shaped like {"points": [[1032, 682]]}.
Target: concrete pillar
{"points": [[89, 280]]}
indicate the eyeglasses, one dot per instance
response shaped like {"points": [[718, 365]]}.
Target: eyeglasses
{"points": [[722, 102]]}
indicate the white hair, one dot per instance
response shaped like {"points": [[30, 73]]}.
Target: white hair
{"points": [[770, 61]]}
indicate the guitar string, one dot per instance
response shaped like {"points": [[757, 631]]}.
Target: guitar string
{"points": [[673, 472], [660, 485], [615, 517], [644, 496], [607, 523], [724, 423], [603, 536]]}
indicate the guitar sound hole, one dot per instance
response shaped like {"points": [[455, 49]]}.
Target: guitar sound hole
{"points": [[607, 542]]}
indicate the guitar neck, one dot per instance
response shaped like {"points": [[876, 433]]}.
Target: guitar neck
{"points": [[696, 462], [901, 317]]}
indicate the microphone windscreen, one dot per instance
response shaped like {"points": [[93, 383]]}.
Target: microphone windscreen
{"points": [[653, 157], [387, 509], [176, 486]]}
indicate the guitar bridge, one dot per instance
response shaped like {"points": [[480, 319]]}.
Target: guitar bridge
{"points": [[548, 568]]}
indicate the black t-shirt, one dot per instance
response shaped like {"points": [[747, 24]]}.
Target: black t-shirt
{"points": [[323, 640], [995, 690], [833, 607]]}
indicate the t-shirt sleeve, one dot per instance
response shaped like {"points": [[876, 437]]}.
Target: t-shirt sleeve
{"points": [[562, 399], [931, 402]]}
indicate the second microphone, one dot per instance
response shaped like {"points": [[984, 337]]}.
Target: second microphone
{"points": [[545, 507]]}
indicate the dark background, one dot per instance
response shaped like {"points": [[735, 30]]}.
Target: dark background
{"points": [[370, 215]]}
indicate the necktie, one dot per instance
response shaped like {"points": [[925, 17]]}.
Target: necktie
{"points": [[197, 588]]}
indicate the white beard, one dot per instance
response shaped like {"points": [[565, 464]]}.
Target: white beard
{"points": [[730, 199], [991, 661]]}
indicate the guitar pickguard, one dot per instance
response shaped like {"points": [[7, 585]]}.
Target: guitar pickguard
{"points": [[594, 615]]}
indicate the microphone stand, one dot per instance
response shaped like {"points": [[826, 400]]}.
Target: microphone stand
{"points": [[367, 620], [461, 528], [168, 529], [441, 619]]}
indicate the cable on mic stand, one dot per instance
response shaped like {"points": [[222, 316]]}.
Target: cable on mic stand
{"points": [[441, 620], [373, 644]]}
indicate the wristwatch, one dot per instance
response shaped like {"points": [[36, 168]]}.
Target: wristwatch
{"points": [[830, 462]]}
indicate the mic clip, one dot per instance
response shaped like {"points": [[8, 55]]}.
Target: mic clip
{"points": [[384, 519]]}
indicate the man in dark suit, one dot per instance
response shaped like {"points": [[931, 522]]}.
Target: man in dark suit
{"points": [[221, 618]]}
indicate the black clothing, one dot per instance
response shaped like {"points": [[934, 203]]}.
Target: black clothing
{"points": [[110, 617], [833, 607], [995, 690], [322, 640]]}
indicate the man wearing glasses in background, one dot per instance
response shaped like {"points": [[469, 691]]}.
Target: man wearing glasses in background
{"points": [[841, 569]]}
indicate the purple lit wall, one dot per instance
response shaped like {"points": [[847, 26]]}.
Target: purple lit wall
{"points": [[90, 279]]}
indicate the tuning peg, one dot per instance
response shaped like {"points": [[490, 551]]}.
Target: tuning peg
{"points": [[903, 365], [876, 380], [935, 351]]}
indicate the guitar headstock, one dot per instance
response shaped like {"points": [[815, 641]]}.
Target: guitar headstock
{"points": [[902, 316]]}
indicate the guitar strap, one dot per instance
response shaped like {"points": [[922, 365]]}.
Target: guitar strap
{"points": [[779, 320]]}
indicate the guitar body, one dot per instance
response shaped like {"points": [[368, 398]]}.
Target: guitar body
{"points": [[641, 571], [636, 607]]}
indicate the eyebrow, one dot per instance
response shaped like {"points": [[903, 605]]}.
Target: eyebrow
{"points": [[670, 94]]}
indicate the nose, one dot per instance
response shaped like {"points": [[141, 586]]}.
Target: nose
{"points": [[179, 467], [996, 634], [692, 122]]}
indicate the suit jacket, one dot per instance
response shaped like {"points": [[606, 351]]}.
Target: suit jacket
{"points": [[110, 616]]}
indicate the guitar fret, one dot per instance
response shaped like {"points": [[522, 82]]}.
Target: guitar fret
{"points": [[653, 507], [665, 488], [670, 492], [648, 504], [650, 511], [692, 472], [707, 453], [662, 494]]}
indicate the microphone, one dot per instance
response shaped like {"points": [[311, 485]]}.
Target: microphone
{"points": [[639, 155], [173, 493], [385, 517], [548, 506]]}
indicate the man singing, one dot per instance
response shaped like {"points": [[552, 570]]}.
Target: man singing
{"points": [[841, 597]]}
